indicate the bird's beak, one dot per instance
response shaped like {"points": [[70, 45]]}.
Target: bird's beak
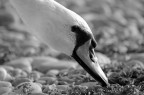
{"points": [[85, 56]]}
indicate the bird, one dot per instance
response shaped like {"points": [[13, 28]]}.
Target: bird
{"points": [[63, 30]]}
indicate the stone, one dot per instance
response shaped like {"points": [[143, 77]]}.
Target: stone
{"points": [[52, 72], [43, 82], [38, 94], [35, 75], [89, 84], [63, 87], [19, 80], [5, 90], [5, 84], [18, 73], [134, 64], [43, 64], [21, 63], [103, 59], [28, 88], [3, 73], [10, 93], [8, 68], [49, 80], [9, 77]]}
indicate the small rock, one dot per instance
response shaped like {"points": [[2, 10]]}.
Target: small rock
{"points": [[8, 77], [3, 73], [28, 88], [135, 64], [139, 57], [8, 68], [63, 87], [22, 63], [66, 79], [49, 80], [5, 90], [18, 81], [38, 94], [10, 93], [18, 73], [103, 59], [43, 82], [43, 64], [5, 84], [48, 88], [53, 72], [121, 48], [62, 83], [89, 84], [39, 84], [35, 75]]}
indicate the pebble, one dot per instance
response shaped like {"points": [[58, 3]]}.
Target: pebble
{"points": [[38, 94], [63, 87], [10, 93], [8, 68], [49, 87], [89, 84], [35, 75], [5, 84], [39, 84], [3, 73], [44, 64], [134, 64], [103, 59], [5, 90], [28, 88], [21, 63], [66, 79], [9, 77], [18, 73], [18, 81], [43, 82], [29, 51], [139, 56], [49, 80], [62, 83], [52, 72]]}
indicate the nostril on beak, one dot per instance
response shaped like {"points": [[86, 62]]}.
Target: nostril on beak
{"points": [[91, 54], [91, 49], [93, 43]]}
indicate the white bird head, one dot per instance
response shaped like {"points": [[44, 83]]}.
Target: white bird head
{"points": [[63, 30]]}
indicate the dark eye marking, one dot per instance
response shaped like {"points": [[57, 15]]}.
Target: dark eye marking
{"points": [[75, 28], [82, 35]]}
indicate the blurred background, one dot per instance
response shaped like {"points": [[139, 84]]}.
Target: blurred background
{"points": [[118, 27]]}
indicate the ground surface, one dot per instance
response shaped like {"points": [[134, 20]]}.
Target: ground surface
{"points": [[29, 67]]}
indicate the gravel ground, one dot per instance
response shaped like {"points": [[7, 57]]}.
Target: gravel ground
{"points": [[29, 67]]}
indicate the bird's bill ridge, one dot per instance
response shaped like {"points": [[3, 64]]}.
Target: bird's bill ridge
{"points": [[87, 59]]}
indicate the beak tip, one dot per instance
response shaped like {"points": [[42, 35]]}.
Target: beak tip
{"points": [[105, 84]]}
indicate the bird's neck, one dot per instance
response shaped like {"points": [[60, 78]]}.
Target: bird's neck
{"points": [[48, 21]]}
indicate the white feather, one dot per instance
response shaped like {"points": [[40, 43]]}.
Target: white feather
{"points": [[50, 22]]}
